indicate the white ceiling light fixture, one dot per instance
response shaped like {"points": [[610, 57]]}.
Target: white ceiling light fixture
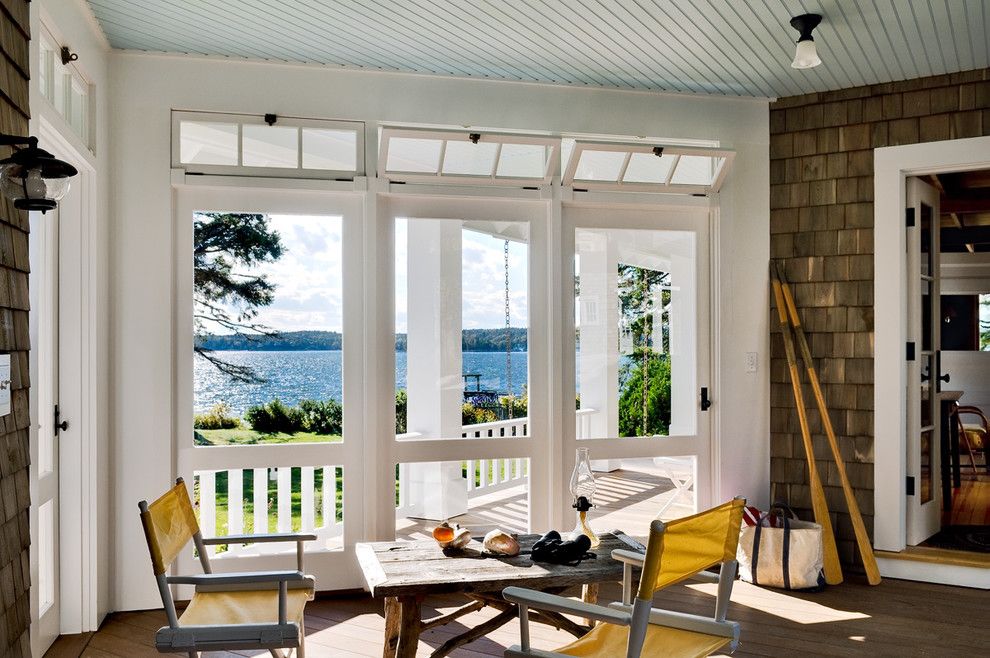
{"points": [[806, 56]]}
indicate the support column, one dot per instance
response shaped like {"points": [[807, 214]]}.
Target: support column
{"points": [[683, 341], [598, 357], [434, 381]]}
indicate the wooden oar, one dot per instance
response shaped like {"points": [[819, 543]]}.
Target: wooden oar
{"points": [[832, 568], [862, 538]]}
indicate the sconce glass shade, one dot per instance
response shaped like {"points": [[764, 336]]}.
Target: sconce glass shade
{"points": [[806, 56], [34, 179]]}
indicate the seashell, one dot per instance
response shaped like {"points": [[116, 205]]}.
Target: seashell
{"points": [[462, 537], [443, 533], [501, 543]]}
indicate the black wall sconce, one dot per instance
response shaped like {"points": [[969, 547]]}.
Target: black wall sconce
{"points": [[31, 177]]}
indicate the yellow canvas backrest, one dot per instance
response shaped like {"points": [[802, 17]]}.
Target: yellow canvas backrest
{"points": [[169, 524], [683, 547]]}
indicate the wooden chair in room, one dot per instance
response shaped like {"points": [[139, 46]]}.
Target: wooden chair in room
{"points": [[228, 611], [974, 436], [677, 550]]}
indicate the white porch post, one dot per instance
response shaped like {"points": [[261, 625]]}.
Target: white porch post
{"points": [[683, 342], [435, 384], [598, 367]]}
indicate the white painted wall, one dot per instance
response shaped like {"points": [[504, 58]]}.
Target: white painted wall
{"points": [[146, 87], [73, 25]]}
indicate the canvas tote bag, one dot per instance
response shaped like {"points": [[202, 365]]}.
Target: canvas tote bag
{"points": [[789, 557]]}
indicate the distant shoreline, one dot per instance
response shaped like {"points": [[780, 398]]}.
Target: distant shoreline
{"points": [[472, 340]]}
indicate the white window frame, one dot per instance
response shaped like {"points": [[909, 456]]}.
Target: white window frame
{"points": [[239, 169], [580, 146], [499, 138], [49, 51]]}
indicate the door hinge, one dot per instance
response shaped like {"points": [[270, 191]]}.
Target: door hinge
{"points": [[60, 425], [909, 217], [705, 402], [910, 350], [909, 485]]}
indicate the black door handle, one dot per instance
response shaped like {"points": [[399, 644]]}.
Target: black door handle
{"points": [[705, 402], [945, 378]]}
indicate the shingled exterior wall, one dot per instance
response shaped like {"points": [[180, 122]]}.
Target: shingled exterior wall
{"points": [[15, 536], [821, 227]]}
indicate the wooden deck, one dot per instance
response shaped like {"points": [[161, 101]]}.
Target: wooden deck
{"points": [[627, 499], [896, 618]]}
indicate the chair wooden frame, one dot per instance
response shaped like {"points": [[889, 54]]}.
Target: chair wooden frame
{"points": [[191, 639], [635, 612], [976, 411]]}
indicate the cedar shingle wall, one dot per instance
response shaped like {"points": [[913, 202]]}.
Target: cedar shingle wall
{"points": [[821, 225], [15, 579]]}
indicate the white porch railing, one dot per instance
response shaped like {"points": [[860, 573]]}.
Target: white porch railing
{"points": [[228, 509], [217, 510]]}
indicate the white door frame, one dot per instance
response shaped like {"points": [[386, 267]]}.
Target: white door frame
{"points": [[892, 166], [643, 212], [79, 386], [336, 568]]}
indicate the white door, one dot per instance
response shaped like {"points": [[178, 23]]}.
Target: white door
{"points": [[924, 422], [639, 360], [44, 433]]}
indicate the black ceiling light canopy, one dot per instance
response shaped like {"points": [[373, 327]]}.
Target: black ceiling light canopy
{"points": [[31, 177], [806, 55]]}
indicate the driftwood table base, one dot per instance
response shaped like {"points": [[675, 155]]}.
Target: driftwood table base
{"points": [[405, 573], [404, 623]]}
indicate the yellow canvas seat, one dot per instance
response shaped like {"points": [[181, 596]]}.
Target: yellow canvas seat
{"points": [[243, 607], [228, 611], [677, 551]]}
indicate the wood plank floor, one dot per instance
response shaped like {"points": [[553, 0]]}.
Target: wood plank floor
{"points": [[896, 618], [971, 501]]}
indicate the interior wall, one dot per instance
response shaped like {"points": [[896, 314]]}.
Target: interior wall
{"points": [[147, 87], [821, 225], [15, 535]]}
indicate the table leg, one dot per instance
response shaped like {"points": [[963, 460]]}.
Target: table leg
{"points": [[954, 442], [392, 624], [410, 621], [945, 473], [589, 594]]}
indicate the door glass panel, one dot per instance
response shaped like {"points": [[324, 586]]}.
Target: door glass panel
{"points": [[480, 495], [47, 560], [270, 146], [926, 226], [927, 475], [268, 309], [263, 500], [636, 353], [461, 299], [207, 143]]}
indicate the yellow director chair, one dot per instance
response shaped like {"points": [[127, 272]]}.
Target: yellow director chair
{"points": [[229, 611], [677, 551]]}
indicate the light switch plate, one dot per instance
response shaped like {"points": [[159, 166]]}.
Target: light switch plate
{"points": [[752, 361], [4, 384]]}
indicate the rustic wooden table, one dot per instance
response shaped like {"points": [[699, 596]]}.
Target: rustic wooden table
{"points": [[405, 572]]}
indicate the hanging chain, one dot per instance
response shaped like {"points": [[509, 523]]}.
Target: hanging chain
{"points": [[508, 333]]}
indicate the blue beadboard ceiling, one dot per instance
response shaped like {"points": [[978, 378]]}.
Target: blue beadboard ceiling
{"points": [[734, 47]]}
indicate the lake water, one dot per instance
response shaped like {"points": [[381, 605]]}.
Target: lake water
{"points": [[316, 375]]}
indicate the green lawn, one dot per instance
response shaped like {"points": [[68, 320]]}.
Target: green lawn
{"points": [[251, 437]]}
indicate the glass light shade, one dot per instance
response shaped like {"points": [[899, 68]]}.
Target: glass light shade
{"points": [[34, 179], [806, 55], [583, 479]]}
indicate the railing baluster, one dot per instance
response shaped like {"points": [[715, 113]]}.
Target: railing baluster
{"points": [[208, 505], [260, 501], [235, 501], [329, 497], [307, 484], [518, 472], [283, 498]]}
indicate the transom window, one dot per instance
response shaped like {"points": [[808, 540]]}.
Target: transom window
{"points": [[240, 144], [647, 167], [65, 88], [417, 155]]}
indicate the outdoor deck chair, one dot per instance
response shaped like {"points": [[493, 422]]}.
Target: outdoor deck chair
{"points": [[678, 550], [229, 611]]}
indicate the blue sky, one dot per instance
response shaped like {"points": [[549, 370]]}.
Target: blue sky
{"points": [[308, 293]]}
